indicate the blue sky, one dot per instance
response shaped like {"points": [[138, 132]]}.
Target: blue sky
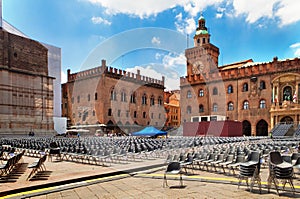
{"points": [[152, 34]]}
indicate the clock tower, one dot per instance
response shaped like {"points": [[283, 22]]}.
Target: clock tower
{"points": [[203, 57]]}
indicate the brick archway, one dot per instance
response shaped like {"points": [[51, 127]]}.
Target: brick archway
{"points": [[246, 128], [262, 128]]}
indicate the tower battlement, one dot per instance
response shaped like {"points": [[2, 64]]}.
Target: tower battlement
{"points": [[114, 73]]}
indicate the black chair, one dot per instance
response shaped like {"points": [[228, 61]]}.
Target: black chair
{"points": [[173, 168], [279, 170], [251, 169]]}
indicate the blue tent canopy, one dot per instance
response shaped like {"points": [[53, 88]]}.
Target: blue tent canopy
{"points": [[149, 131]]}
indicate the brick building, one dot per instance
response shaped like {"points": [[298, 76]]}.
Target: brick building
{"points": [[172, 107], [26, 89], [123, 101], [260, 95]]}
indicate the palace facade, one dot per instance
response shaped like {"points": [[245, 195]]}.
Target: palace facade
{"points": [[260, 95], [122, 101]]}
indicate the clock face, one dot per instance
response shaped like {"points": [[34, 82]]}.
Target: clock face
{"points": [[197, 67]]}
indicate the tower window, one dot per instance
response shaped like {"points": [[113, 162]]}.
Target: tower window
{"points": [[262, 85], [245, 87], [189, 94], [215, 91], [262, 104], [215, 107], [201, 93], [189, 110], [230, 106], [198, 41], [230, 89], [201, 108], [203, 40], [246, 105]]}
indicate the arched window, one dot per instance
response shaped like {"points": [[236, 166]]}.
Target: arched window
{"points": [[144, 99], [198, 41], [123, 96], [287, 93], [133, 98], [201, 93], [201, 108], [230, 106], [245, 87], [189, 110], [113, 95], [78, 99], [160, 101], [189, 94], [152, 101], [96, 96], [215, 91], [246, 105], [230, 89], [109, 112], [134, 114], [262, 104], [262, 85], [215, 107], [144, 115]]}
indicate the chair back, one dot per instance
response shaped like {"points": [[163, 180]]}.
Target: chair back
{"points": [[275, 158], [173, 166]]}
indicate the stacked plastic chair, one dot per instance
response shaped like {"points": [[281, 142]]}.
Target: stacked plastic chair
{"points": [[279, 170], [251, 169]]}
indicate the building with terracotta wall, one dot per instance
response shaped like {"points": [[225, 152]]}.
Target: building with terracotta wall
{"points": [[172, 107], [121, 100], [26, 90], [260, 95]]}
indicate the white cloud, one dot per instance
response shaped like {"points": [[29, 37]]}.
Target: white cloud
{"points": [[295, 45], [158, 56], [172, 68], [288, 12], [170, 61], [100, 20], [155, 41], [255, 9], [172, 80], [296, 49], [186, 26], [141, 8], [284, 11]]}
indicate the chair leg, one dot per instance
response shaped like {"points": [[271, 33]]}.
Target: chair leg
{"points": [[181, 181], [165, 183]]}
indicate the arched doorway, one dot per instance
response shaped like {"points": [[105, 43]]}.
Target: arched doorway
{"points": [[287, 120], [262, 128], [246, 128]]}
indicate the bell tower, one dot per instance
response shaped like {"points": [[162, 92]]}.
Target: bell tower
{"points": [[203, 57]]}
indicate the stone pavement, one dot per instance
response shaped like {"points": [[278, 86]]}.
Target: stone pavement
{"points": [[75, 180]]}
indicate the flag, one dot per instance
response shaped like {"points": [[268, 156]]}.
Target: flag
{"points": [[276, 99], [295, 97]]}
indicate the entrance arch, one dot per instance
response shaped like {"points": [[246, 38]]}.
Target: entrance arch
{"points": [[287, 120], [246, 128], [262, 128]]}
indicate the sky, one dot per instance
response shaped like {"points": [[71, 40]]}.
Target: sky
{"points": [[152, 35]]}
